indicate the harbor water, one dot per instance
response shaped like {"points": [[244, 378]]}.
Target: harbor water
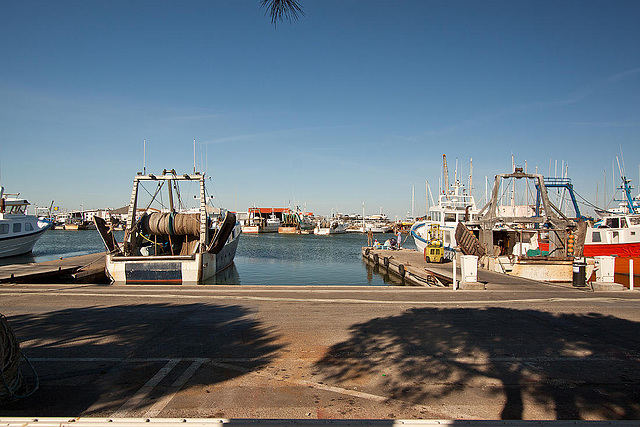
{"points": [[261, 259]]}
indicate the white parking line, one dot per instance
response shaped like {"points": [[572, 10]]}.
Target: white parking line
{"points": [[144, 391], [174, 389]]}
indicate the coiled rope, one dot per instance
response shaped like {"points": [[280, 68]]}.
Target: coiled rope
{"points": [[13, 386]]}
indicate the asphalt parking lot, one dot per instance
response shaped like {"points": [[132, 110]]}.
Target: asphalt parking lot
{"points": [[326, 352]]}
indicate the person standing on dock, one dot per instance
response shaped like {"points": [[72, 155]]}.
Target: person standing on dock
{"points": [[369, 237], [399, 239]]}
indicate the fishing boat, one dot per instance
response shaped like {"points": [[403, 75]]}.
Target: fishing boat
{"points": [[19, 231], [296, 222], [617, 232], [327, 227], [173, 245], [258, 222], [454, 206], [511, 240]]}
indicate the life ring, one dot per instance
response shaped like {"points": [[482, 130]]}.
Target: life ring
{"points": [[366, 251], [401, 270]]}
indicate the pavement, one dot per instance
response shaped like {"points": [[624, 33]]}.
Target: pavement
{"points": [[302, 352]]}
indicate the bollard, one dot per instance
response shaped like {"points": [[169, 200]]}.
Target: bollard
{"points": [[630, 274], [455, 282]]}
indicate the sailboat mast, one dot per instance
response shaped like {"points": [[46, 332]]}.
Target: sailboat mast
{"points": [[413, 199]]}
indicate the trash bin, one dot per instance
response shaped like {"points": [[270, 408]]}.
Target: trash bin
{"points": [[579, 272]]}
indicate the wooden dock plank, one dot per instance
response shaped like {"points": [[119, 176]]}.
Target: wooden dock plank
{"points": [[83, 265]]}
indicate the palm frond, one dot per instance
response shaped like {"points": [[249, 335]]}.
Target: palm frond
{"points": [[280, 10]]}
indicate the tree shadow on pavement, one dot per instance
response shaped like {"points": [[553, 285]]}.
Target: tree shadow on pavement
{"points": [[106, 353], [527, 362]]}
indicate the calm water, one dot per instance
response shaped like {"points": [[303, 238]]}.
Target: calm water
{"points": [[264, 259]]}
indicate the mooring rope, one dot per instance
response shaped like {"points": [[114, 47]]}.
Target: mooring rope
{"points": [[13, 386]]}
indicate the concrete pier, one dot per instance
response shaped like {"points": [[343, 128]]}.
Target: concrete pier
{"points": [[410, 265]]}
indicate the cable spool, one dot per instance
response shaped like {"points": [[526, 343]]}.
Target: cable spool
{"points": [[10, 373]]}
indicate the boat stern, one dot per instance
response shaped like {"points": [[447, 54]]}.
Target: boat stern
{"points": [[160, 269]]}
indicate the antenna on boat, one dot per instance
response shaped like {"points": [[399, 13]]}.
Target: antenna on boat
{"points": [[194, 156], [426, 189], [144, 157], [471, 176]]}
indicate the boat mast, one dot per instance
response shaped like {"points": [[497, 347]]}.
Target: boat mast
{"points": [[413, 199], [445, 172], [144, 157], [170, 184]]}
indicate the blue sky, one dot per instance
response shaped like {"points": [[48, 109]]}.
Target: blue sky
{"points": [[356, 101]]}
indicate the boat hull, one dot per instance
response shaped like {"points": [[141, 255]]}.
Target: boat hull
{"points": [[251, 229], [288, 230], [256, 229], [19, 245], [542, 270], [419, 232], [168, 269], [626, 250]]}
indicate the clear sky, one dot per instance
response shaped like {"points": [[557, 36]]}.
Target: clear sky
{"points": [[357, 101]]}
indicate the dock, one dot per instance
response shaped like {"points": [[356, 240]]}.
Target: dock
{"points": [[80, 269], [410, 266]]}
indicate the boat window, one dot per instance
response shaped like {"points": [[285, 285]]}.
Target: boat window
{"points": [[595, 237], [28, 227], [634, 220], [613, 223], [4, 228], [17, 227], [623, 223], [449, 217]]}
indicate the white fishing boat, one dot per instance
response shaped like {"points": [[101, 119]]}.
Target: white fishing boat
{"points": [[263, 220], [326, 228], [171, 246], [453, 206], [19, 231]]}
